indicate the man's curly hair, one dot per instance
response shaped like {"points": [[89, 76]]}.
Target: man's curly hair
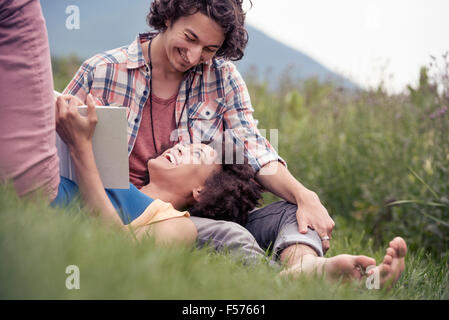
{"points": [[228, 14], [229, 194]]}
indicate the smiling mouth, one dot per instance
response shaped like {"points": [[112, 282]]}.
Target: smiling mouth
{"points": [[173, 160], [183, 56]]}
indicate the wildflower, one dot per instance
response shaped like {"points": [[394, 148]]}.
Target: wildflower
{"points": [[438, 113]]}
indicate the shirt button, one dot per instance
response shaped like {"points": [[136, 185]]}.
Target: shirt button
{"points": [[145, 92], [207, 113], [136, 120]]}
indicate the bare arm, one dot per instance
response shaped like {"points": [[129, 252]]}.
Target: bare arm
{"points": [[77, 132]]}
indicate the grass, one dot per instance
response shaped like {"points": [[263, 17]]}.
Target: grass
{"points": [[37, 243], [379, 163], [378, 160]]}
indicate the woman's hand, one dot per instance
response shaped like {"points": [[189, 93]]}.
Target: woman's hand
{"points": [[77, 131], [73, 128]]}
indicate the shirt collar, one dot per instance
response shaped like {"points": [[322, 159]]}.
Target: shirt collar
{"points": [[135, 53]]}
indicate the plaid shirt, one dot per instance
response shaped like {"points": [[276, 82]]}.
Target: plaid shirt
{"points": [[218, 101]]}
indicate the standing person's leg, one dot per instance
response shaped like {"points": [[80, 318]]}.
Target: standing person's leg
{"points": [[28, 156]]}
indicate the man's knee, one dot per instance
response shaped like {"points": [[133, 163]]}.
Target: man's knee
{"points": [[266, 223], [276, 227]]}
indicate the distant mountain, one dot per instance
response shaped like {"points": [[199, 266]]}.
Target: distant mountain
{"points": [[108, 24], [274, 57]]}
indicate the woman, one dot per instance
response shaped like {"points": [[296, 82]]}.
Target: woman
{"points": [[182, 176]]}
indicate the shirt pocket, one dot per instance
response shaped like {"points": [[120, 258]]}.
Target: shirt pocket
{"points": [[206, 119]]}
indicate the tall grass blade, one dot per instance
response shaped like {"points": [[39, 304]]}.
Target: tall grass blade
{"points": [[435, 195], [432, 204]]}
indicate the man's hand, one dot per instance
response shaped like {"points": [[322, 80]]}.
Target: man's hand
{"points": [[312, 214], [73, 128]]}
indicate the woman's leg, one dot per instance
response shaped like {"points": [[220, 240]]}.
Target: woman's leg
{"points": [[28, 156]]}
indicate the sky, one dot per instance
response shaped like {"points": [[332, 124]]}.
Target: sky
{"points": [[367, 41]]}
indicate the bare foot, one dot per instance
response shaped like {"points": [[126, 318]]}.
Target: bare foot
{"points": [[343, 266], [349, 268], [393, 265]]}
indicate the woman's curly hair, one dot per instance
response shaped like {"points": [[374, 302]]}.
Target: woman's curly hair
{"points": [[228, 14], [229, 194]]}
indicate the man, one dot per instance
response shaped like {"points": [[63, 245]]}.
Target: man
{"points": [[179, 85]]}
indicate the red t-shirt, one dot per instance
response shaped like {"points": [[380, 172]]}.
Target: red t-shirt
{"points": [[164, 124]]}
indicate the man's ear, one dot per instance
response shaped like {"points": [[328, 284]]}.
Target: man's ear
{"points": [[196, 193], [168, 24]]}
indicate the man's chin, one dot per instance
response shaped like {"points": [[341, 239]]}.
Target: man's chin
{"points": [[181, 69]]}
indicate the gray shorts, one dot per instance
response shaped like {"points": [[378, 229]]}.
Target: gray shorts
{"points": [[269, 230]]}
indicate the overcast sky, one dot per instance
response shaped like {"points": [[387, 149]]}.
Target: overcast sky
{"points": [[366, 40]]}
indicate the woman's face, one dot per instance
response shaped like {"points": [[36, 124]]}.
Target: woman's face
{"points": [[184, 166]]}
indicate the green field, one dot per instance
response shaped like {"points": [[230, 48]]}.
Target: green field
{"points": [[379, 163]]}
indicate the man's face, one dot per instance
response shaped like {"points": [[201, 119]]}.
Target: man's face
{"points": [[192, 40], [184, 167]]}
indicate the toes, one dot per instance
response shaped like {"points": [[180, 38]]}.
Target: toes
{"points": [[391, 252], [388, 259], [402, 247], [384, 269], [399, 245], [402, 252], [394, 244]]}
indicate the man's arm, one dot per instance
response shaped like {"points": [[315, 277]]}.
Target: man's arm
{"points": [[272, 175], [275, 178]]}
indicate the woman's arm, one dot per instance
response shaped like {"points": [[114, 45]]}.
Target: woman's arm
{"points": [[77, 132]]}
